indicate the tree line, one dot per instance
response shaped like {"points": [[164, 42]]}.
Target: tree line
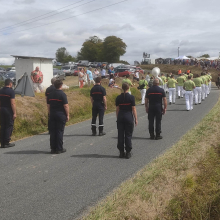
{"points": [[95, 49]]}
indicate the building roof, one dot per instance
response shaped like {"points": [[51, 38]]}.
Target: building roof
{"points": [[28, 57]]}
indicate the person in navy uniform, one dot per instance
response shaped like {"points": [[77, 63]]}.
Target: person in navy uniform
{"points": [[58, 110], [49, 90], [126, 117], [8, 113], [99, 105], [154, 107]]}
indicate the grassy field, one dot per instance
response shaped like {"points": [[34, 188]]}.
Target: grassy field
{"points": [[174, 69], [32, 111], [183, 184]]}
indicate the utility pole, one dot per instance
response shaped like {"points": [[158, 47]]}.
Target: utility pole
{"points": [[178, 51]]}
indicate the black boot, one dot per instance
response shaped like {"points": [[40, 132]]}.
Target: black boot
{"points": [[152, 136], [101, 133], [158, 137], [93, 130], [8, 145], [122, 154]]}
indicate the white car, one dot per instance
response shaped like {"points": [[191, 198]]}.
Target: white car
{"points": [[114, 65], [11, 69]]}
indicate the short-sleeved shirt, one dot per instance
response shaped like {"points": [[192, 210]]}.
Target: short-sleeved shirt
{"points": [[189, 85], [143, 82], [56, 100], [171, 83], [164, 78], [37, 76], [49, 90], [155, 94], [6, 94], [89, 73], [97, 92], [128, 81], [125, 101], [103, 72], [180, 80], [198, 82]]}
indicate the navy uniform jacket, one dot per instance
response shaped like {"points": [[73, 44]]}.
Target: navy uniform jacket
{"points": [[97, 93], [6, 94]]}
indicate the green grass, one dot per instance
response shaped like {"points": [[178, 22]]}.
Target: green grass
{"points": [[184, 183]]}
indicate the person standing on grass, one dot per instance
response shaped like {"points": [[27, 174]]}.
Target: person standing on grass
{"points": [[180, 80], [126, 115], [7, 112], [49, 90], [155, 109], [103, 72], [37, 79], [58, 109], [81, 77], [143, 88], [90, 77], [172, 89], [128, 81], [99, 105], [188, 86], [198, 90]]}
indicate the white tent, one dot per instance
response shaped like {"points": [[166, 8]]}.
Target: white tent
{"points": [[182, 58]]}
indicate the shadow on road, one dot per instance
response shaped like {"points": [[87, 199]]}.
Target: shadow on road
{"points": [[28, 152], [176, 110], [71, 135], [135, 138], [94, 156]]}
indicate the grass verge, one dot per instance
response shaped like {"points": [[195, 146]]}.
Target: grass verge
{"points": [[181, 184]]}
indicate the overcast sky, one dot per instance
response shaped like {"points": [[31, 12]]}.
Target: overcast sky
{"points": [[157, 27]]}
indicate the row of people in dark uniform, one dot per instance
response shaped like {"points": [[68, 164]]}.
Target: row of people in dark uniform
{"points": [[58, 112]]}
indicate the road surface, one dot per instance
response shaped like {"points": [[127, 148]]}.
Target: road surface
{"points": [[36, 185]]}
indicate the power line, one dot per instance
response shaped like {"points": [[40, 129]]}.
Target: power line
{"points": [[57, 12], [70, 17]]}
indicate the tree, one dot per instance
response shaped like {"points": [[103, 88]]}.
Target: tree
{"points": [[113, 48], [61, 54], [91, 50], [124, 62], [189, 56], [205, 55]]}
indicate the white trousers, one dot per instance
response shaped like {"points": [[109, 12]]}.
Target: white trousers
{"points": [[172, 95], [189, 100], [198, 94], [206, 90], [180, 91], [165, 87], [203, 91], [38, 87], [143, 93], [210, 86]]}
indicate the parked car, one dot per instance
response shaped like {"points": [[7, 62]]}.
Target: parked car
{"points": [[68, 70], [93, 64], [11, 75], [83, 63], [2, 70], [140, 70], [121, 72], [114, 65], [2, 81], [59, 74], [58, 64], [11, 69]]}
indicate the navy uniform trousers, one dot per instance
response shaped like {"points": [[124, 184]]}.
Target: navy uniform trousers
{"points": [[155, 112], [125, 125], [57, 125], [97, 109], [7, 124]]}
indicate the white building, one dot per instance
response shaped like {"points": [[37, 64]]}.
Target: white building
{"points": [[28, 64]]}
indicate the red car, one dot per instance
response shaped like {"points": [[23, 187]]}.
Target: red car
{"points": [[122, 72], [140, 70]]}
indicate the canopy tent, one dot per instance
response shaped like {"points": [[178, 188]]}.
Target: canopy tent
{"points": [[213, 58], [182, 58]]}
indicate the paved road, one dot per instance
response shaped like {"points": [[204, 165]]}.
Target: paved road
{"points": [[36, 185]]}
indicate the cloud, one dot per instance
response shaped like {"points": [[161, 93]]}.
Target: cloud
{"points": [[24, 1], [158, 27]]}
